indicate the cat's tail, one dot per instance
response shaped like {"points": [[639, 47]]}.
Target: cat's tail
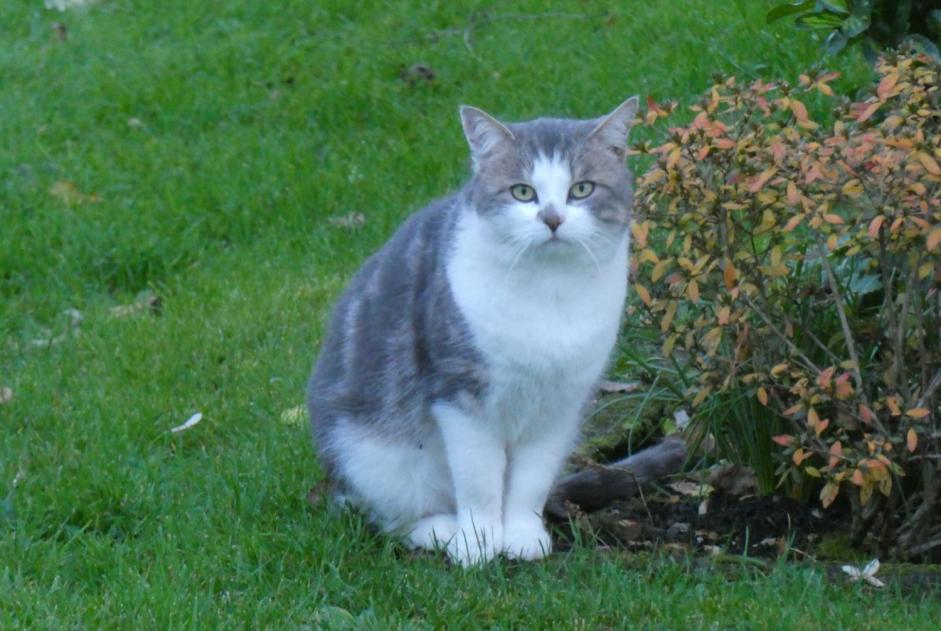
{"points": [[598, 485]]}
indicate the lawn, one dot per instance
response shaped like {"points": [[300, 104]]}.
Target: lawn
{"points": [[211, 153]]}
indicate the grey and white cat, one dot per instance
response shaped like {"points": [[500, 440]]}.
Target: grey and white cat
{"points": [[450, 386]]}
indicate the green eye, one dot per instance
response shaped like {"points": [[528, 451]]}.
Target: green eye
{"points": [[581, 190], [523, 192]]}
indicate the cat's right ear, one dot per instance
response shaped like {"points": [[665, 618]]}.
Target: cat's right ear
{"points": [[484, 133]]}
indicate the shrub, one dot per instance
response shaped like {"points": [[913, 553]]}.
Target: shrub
{"points": [[793, 267], [875, 24]]}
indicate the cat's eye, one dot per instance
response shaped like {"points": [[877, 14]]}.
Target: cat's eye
{"points": [[523, 192], [581, 190]]}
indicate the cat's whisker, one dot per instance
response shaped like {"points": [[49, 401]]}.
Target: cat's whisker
{"points": [[590, 253], [517, 258]]}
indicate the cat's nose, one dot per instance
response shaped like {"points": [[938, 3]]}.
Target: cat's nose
{"points": [[551, 218]]}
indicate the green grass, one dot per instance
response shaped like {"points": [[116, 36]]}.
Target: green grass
{"points": [[219, 137]]}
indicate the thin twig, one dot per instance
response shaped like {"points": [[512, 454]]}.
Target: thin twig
{"points": [[791, 346], [844, 322]]}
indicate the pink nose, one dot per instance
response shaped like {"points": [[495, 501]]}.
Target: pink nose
{"points": [[551, 218]]}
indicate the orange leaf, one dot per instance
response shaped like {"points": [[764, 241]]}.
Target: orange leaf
{"points": [[800, 112], [933, 238], [813, 419], [822, 426], [640, 231], [876, 224], [722, 317], [763, 396], [928, 162], [833, 218], [762, 179], [800, 456], [866, 113], [917, 412], [893, 406], [728, 275], [692, 291], [785, 440], [793, 195], [642, 293], [828, 493], [885, 86], [836, 452], [792, 223], [858, 478], [911, 440]]}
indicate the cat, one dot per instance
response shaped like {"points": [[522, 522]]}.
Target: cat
{"points": [[452, 379]]}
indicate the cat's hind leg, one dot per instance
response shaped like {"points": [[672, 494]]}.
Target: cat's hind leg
{"points": [[433, 532], [398, 482]]}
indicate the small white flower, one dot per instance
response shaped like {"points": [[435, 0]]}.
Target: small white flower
{"points": [[189, 423], [866, 574]]}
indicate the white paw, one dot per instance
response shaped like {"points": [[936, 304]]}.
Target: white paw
{"points": [[433, 532], [526, 539], [476, 544]]}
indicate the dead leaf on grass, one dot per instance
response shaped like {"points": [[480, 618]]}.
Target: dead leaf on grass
{"points": [[70, 195], [691, 489], [617, 387], [146, 302], [733, 479], [350, 221], [190, 422], [6, 395], [294, 416]]}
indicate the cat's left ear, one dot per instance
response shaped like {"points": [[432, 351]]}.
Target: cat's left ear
{"points": [[612, 130]]}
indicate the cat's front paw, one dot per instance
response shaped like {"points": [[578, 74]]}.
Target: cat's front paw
{"points": [[526, 539], [474, 544]]}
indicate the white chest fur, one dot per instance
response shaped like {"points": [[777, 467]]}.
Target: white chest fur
{"points": [[545, 326]]}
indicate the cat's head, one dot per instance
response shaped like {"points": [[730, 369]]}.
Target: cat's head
{"points": [[553, 186]]}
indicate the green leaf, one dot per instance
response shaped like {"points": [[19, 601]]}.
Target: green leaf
{"points": [[819, 21], [835, 42], [784, 10], [855, 24], [835, 6]]}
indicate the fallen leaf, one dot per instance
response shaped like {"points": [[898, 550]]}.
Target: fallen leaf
{"points": [[617, 387], [350, 221], [146, 301], [911, 440], [69, 194], [691, 489], [190, 422], [867, 573], [294, 416], [733, 479], [6, 395]]}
